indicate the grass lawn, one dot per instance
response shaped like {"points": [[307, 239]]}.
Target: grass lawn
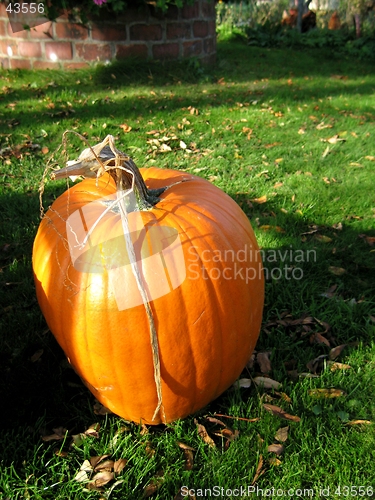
{"points": [[291, 137]]}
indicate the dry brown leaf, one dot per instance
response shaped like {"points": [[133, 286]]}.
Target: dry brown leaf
{"points": [[336, 351], [278, 184], [184, 446], [371, 158], [318, 338], [322, 126], [214, 420], [275, 448], [45, 150], [99, 409], [274, 461], [282, 434], [326, 393], [335, 139], [102, 478], [152, 487], [189, 459], [323, 238], [203, 434], [260, 200], [105, 465], [359, 422], [260, 470], [337, 271], [125, 128], [283, 396], [267, 383], [150, 451], [93, 430], [58, 434], [37, 355], [242, 383], [279, 412], [334, 365], [263, 359], [84, 472], [119, 465], [94, 461]]}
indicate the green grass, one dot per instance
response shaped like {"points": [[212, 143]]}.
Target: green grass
{"points": [[262, 119]]}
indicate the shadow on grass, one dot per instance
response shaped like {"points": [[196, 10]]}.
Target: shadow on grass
{"points": [[262, 74]]}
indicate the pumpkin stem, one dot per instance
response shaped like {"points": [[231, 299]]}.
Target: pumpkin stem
{"points": [[105, 157]]}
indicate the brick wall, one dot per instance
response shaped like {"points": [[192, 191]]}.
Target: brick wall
{"points": [[181, 33]]}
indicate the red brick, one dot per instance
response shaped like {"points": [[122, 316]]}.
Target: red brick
{"points": [[94, 51], [63, 50], [209, 45], [134, 50], [212, 28], [166, 51], [42, 32], [192, 49], [3, 28], [200, 29], [46, 65], [146, 32], [109, 33], [30, 49], [190, 11], [20, 63], [19, 31], [76, 65], [208, 9], [178, 30], [9, 43], [71, 30], [3, 12], [4, 63]]}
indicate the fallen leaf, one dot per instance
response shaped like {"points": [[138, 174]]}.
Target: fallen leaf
{"points": [[359, 422], [267, 383], [94, 461], [335, 139], [214, 420], [337, 271], [153, 485], [189, 459], [125, 128], [334, 365], [119, 465], [326, 393], [275, 448], [277, 185], [203, 434], [323, 238], [256, 419], [279, 412], [370, 158], [37, 355], [106, 465], [282, 434], [263, 359], [274, 461], [182, 145], [260, 200], [102, 478], [242, 383], [259, 471], [58, 434], [93, 430], [45, 150], [322, 126], [99, 409], [84, 472], [326, 152], [318, 338]]}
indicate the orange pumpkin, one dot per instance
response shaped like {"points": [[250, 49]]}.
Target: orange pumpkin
{"points": [[207, 322]]}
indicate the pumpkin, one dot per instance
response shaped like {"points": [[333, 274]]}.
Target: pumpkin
{"points": [[204, 299]]}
